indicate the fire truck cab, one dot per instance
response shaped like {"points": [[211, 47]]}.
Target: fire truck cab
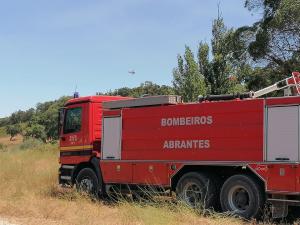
{"points": [[236, 151]]}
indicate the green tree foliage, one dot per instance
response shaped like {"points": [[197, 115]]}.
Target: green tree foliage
{"points": [[38, 123], [275, 39], [187, 79], [222, 73], [36, 131], [146, 88], [47, 116], [21, 116], [13, 130], [258, 79], [4, 121]]}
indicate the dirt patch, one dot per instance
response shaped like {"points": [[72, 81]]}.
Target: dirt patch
{"points": [[15, 141]]}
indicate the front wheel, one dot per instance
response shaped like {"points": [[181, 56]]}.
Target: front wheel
{"points": [[87, 181], [243, 196]]}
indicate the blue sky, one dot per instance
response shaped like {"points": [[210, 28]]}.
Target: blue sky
{"points": [[49, 47]]}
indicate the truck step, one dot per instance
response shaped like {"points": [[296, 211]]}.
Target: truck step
{"points": [[288, 201], [70, 167], [65, 177]]}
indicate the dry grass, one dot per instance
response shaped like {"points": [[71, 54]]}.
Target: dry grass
{"points": [[2, 132], [29, 194]]}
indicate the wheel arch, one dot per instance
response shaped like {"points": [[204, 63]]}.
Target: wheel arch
{"points": [[92, 164]]}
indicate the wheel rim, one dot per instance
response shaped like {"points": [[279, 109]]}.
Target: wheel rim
{"points": [[86, 185], [239, 198], [192, 194]]}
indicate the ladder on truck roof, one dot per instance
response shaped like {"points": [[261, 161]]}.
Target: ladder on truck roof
{"points": [[144, 101], [292, 82]]}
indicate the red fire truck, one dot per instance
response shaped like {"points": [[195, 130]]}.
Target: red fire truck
{"points": [[236, 151]]}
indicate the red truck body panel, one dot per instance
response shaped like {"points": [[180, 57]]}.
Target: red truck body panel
{"points": [[234, 132], [291, 100], [280, 177]]}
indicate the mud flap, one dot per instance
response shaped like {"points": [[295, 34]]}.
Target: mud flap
{"points": [[279, 209]]}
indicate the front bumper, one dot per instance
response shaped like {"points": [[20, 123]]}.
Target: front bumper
{"points": [[65, 174]]}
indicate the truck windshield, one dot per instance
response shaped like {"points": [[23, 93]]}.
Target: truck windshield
{"points": [[72, 120]]}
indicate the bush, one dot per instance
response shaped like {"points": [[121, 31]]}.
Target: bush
{"points": [[13, 130], [36, 131], [31, 143]]}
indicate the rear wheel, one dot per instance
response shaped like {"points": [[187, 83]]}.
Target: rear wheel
{"points": [[87, 181], [197, 190], [243, 196]]}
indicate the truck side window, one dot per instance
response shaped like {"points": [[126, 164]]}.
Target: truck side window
{"points": [[72, 120]]}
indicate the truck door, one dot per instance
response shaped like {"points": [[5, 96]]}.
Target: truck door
{"points": [[283, 134], [114, 170], [72, 134], [282, 146], [111, 139]]}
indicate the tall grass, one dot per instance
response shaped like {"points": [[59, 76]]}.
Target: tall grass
{"points": [[2, 132], [29, 193]]}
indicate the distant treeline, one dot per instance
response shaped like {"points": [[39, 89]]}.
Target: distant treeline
{"points": [[39, 122], [146, 88]]}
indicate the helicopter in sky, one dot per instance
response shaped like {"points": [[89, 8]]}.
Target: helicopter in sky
{"points": [[132, 72]]}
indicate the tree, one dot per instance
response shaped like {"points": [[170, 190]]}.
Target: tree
{"points": [[187, 79], [21, 116], [36, 131], [39, 123], [222, 73], [150, 88], [13, 130], [146, 88], [47, 116], [4, 121], [274, 41]]}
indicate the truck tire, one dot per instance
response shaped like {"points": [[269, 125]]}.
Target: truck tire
{"points": [[87, 181], [197, 190], [243, 196]]}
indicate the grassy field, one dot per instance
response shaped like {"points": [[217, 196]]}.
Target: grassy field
{"points": [[29, 194]]}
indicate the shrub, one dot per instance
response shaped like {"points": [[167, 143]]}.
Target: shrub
{"points": [[36, 131], [31, 143], [13, 130], [2, 131]]}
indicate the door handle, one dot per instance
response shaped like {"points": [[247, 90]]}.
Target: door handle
{"points": [[283, 159]]}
